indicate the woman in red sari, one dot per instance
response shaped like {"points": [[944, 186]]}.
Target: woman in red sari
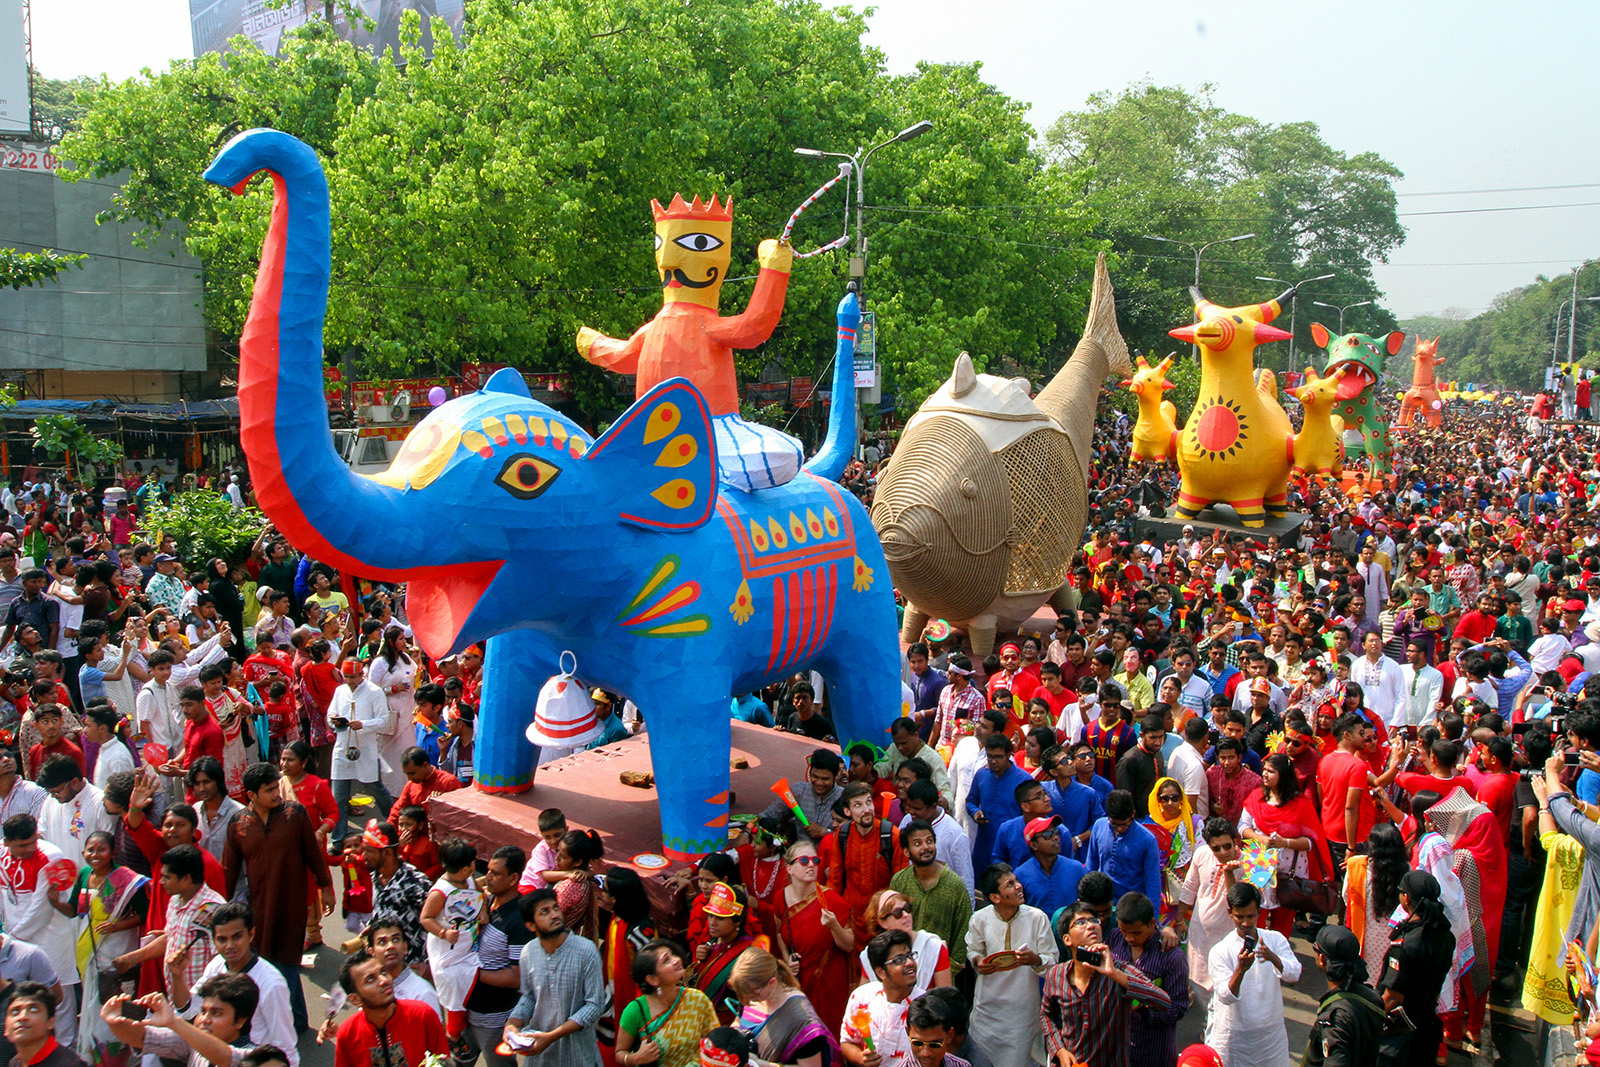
{"points": [[1280, 816], [313, 794], [816, 933]]}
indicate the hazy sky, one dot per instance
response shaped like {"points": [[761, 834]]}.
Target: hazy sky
{"points": [[1463, 95]]}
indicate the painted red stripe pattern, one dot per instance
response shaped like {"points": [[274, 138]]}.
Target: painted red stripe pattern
{"points": [[802, 614]]}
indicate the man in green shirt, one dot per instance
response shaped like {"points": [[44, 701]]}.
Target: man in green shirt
{"points": [[1442, 600], [940, 902], [1514, 626]]}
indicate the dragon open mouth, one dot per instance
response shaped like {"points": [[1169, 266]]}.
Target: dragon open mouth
{"points": [[1357, 377]]}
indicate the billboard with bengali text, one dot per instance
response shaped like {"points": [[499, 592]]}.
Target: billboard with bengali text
{"points": [[15, 116], [213, 23]]}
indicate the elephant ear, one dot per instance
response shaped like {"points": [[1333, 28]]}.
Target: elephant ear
{"points": [[658, 461], [1319, 334]]}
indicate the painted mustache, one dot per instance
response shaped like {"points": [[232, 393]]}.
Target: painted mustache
{"points": [[675, 278]]}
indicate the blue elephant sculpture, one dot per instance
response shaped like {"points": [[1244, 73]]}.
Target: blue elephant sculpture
{"points": [[510, 523]]}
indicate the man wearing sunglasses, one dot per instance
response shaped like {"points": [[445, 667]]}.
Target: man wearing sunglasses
{"points": [[881, 1006], [932, 1032]]}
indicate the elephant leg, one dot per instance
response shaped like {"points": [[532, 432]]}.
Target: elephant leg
{"points": [[980, 635], [1379, 450], [912, 626], [690, 739], [1277, 504], [514, 668]]}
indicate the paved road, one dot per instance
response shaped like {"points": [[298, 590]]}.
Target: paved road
{"points": [[1513, 1028]]}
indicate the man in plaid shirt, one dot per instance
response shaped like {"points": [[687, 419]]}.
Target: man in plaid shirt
{"points": [[185, 945]]}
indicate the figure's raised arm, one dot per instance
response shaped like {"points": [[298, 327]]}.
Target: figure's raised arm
{"points": [[609, 352]]}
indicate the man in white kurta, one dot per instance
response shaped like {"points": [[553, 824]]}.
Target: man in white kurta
{"points": [[1010, 946], [26, 913], [357, 713], [75, 810], [1204, 900], [1245, 1024]]}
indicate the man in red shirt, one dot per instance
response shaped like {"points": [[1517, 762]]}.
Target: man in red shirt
{"points": [[860, 857], [1496, 782], [201, 734], [383, 1022], [1442, 757], [423, 780], [1344, 779], [47, 720], [1052, 691], [1478, 625]]}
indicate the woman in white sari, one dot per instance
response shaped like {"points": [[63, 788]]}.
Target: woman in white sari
{"points": [[1435, 855]]}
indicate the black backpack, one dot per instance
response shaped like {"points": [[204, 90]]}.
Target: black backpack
{"points": [[885, 846]]}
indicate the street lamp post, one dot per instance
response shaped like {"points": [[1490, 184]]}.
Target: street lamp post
{"points": [[1342, 310], [858, 161], [1294, 305], [1199, 250], [1555, 349], [858, 262]]}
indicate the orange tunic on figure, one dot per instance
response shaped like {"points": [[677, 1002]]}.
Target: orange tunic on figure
{"points": [[694, 342]]}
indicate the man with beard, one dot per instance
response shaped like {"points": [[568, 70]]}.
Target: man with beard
{"points": [[563, 990], [941, 903], [275, 846]]}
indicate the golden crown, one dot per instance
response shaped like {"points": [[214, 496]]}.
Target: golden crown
{"points": [[711, 212]]}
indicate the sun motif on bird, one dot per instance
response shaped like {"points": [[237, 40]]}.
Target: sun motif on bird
{"points": [[1221, 428]]}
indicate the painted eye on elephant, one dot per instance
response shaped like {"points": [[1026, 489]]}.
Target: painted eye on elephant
{"points": [[526, 477], [698, 242]]}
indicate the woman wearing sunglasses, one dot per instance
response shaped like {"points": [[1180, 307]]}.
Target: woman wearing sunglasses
{"points": [[889, 910], [816, 933]]}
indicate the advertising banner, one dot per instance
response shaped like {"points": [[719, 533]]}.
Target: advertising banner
{"points": [[14, 116], [212, 23]]}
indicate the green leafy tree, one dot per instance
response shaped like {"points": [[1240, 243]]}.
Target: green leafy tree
{"points": [[20, 269], [1161, 160], [63, 435], [59, 104], [205, 525]]}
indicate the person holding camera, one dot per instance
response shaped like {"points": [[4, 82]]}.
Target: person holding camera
{"points": [[357, 713], [1089, 998], [1248, 969]]}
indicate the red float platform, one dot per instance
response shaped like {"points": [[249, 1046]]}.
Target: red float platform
{"points": [[587, 788]]}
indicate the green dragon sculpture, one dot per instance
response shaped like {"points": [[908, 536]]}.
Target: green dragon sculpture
{"points": [[1366, 428]]}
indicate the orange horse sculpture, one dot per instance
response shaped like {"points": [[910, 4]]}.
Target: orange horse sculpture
{"points": [[1423, 396]]}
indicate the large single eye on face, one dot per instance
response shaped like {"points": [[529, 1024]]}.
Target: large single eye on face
{"points": [[526, 477], [697, 242]]}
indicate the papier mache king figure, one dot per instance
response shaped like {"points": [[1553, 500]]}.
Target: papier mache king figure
{"points": [[688, 339]]}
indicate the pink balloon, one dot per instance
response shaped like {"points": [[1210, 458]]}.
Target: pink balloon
{"points": [[437, 395], [1437, 404]]}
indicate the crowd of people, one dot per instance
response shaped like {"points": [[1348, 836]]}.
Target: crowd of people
{"points": [[1372, 733]]}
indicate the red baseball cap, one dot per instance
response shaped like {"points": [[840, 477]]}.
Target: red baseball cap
{"points": [[1039, 826]]}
